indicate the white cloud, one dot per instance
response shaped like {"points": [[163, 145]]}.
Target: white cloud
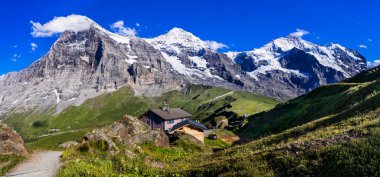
{"points": [[33, 46], [15, 46], [15, 57], [362, 46], [372, 64], [120, 29], [299, 33], [75, 23], [370, 40], [213, 45], [138, 24]]}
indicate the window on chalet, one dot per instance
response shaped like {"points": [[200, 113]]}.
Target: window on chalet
{"points": [[170, 121]]}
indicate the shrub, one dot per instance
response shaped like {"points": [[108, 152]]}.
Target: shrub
{"points": [[39, 123], [84, 148]]}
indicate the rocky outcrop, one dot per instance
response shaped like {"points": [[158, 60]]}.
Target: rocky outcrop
{"points": [[69, 144], [128, 131], [10, 141]]}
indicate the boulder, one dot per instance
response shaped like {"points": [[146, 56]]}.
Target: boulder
{"points": [[68, 144], [221, 122], [213, 137], [10, 141]]}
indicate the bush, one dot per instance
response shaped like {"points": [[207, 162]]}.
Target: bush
{"points": [[355, 158], [102, 145], [361, 158], [39, 123], [84, 148]]}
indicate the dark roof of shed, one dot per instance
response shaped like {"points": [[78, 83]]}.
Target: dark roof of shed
{"points": [[189, 122], [173, 113]]}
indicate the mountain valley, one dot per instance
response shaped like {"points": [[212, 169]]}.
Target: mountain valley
{"points": [[288, 108]]}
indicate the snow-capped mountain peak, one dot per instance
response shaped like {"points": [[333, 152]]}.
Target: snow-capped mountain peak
{"points": [[271, 56], [176, 40], [287, 43]]}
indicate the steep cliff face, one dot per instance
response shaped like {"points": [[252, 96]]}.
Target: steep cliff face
{"points": [[193, 58], [83, 65]]}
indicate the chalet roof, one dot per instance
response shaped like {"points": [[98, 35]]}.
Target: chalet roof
{"points": [[189, 122], [170, 114]]}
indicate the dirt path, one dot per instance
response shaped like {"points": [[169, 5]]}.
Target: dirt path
{"points": [[229, 138], [219, 97], [258, 108], [58, 133], [40, 164]]}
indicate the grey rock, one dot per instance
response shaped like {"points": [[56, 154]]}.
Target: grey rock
{"points": [[129, 131], [84, 65], [69, 144]]}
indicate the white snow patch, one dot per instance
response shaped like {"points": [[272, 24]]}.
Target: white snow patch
{"points": [[273, 65], [71, 99], [176, 63], [232, 55], [131, 59], [14, 102], [182, 69], [57, 95], [208, 73]]}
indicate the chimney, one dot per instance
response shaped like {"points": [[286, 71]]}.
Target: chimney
{"points": [[165, 106]]}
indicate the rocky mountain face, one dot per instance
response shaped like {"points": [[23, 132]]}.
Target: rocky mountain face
{"points": [[290, 66], [82, 65], [193, 59], [284, 68]]}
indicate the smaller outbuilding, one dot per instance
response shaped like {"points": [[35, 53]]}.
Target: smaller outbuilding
{"points": [[192, 128]]}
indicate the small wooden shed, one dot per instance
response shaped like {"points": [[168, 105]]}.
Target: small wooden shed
{"points": [[192, 128]]}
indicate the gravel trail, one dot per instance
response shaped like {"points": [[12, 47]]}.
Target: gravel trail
{"points": [[40, 164]]}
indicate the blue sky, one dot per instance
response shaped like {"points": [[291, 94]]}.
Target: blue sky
{"points": [[240, 24]]}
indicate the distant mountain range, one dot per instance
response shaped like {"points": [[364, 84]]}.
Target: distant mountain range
{"points": [[82, 65]]}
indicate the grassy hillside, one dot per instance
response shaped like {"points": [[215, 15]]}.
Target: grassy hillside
{"points": [[337, 101], [332, 131], [203, 102]]}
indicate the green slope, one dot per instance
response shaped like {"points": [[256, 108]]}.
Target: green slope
{"points": [[201, 101], [332, 131], [337, 100]]}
